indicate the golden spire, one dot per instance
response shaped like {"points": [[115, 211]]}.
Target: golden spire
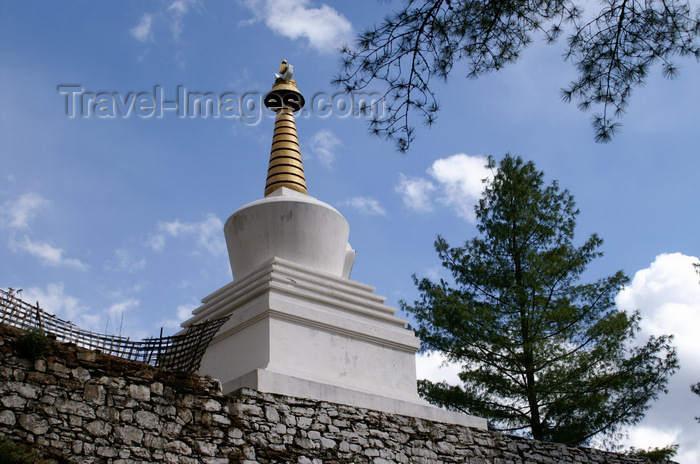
{"points": [[285, 169]]}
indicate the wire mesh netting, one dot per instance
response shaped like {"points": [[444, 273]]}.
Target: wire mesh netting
{"points": [[181, 352]]}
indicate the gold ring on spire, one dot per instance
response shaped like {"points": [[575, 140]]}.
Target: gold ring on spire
{"points": [[285, 168]]}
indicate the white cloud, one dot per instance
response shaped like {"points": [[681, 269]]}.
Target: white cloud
{"points": [[460, 178], [667, 294], [208, 234], [143, 30], [115, 315], [177, 11], [433, 273], [435, 367], [173, 13], [54, 300], [49, 255], [184, 312], [126, 261], [324, 28], [416, 192], [648, 437], [366, 205], [324, 145], [17, 214], [457, 183], [156, 242]]}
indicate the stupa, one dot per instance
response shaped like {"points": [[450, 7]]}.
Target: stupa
{"points": [[299, 326]]}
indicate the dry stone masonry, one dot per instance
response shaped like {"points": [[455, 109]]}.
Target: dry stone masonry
{"points": [[98, 409]]}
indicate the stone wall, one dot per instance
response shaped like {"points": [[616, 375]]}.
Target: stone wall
{"points": [[98, 409]]}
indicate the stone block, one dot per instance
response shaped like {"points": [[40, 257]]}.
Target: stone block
{"points": [[171, 430], [77, 447], [178, 447], [153, 442], [81, 374], [98, 428], [107, 413], [444, 447], [184, 415], [271, 414], [126, 415], [13, 401], [128, 434], [210, 460], [305, 443], [243, 410], [75, 421], [142, 453], [212, 405], [147, 420], [40, 365], [75, 408], [157, 388], [58, 368], [33, 423], [327, 443], [112, 382], [140, 392], [95, 394], [220, 419], [7, 417], [304, 422], [207, 449]]}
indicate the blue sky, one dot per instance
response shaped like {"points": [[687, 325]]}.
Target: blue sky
{"points": [[101, 217]]}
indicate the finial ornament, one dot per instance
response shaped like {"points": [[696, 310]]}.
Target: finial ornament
{"points": [[284, 92], [286, 71], [285, 169]]}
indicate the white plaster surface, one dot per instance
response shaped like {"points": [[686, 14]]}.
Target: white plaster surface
{"points": [[301, 332], [289, 225]]}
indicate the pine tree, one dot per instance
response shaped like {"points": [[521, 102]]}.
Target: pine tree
{"points": [[541, 352], [613, 45]]}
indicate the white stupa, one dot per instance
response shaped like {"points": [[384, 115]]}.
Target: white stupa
{"points": [[299, 326]]}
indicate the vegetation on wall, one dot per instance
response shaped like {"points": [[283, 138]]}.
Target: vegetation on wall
{"points": [[34, 344]]}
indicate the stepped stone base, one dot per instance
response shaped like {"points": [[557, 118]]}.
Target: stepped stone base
{"points": [[302, 332]]}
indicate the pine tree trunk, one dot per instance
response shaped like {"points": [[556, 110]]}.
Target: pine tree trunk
{"points": [[528, 358]]}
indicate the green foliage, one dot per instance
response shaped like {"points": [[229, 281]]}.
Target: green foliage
{"points": [[33, 344], [540, 351], [15, 453], [656, 454], [612, 48], [12, 452]]}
